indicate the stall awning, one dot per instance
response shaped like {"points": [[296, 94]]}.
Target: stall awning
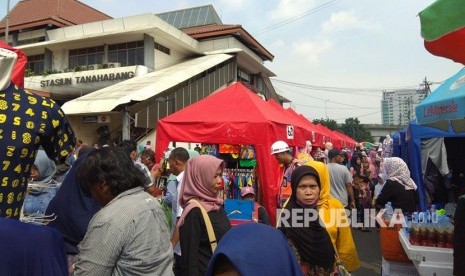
{"points": [[141, 88]]}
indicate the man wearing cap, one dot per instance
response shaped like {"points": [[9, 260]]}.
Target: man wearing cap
{"points": [[341, 180], [259, 212], [282, 153]]}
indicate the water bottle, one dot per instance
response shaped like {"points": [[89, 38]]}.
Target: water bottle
{"points": [[421, 217], [428, 216], [434, 215], [388, 211], [415, 217]]}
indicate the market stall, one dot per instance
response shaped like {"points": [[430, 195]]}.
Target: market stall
{"points": [[235, 116], [416, 134]]}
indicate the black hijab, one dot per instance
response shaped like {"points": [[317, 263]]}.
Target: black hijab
{"points": [[312, 241], [353, 163]]}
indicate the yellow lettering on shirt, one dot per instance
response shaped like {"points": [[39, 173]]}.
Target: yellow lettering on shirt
{"points": [[15, 183], [44, 115], [6, 165], [15, 106], [30, 124], [13, 135], [18, 168], [24, 152], [16, 121], [3, 105], [10, 198], [30, 112], [2, 118], [10, 150], [32, 100], [45, 103], [5, 179], [27, 139]]}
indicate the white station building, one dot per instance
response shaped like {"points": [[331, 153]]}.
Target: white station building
{"points": [[117, 77]]}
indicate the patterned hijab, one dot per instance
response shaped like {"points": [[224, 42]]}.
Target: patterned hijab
{"points": [[197, 183], [396, 169]]}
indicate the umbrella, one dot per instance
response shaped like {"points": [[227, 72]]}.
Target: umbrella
{"points": [[443, 29], [445, 106]]}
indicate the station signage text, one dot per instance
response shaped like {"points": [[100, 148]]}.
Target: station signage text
{"points": [[87, 79]]}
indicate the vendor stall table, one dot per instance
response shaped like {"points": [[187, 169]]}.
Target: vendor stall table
{"points": [[428, 260]]}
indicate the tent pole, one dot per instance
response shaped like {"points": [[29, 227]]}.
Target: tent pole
{"points": [[126, 127]]}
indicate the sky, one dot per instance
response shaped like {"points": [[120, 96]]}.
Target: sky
{"points": [[333, 58]]}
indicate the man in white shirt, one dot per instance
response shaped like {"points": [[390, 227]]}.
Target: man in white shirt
{"points": [[177, 161]]}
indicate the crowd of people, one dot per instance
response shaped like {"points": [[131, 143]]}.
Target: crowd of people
{"points": [[112, 194], [113, 210]]}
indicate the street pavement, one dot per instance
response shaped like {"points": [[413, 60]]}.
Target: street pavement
{"points": [[369, 252]]}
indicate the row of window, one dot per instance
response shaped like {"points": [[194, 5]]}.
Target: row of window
{"points": [[126, 54]]}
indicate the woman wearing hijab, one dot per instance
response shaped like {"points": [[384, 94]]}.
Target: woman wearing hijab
{"points": [[355, 165], [42, 186], [399, 188], [310, 240], [202, 181], [254, 249], [340, 234]]}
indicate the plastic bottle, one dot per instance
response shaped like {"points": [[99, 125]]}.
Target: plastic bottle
{"points": [[434, 215], [421, 217], [388, 211], [415, 218]]}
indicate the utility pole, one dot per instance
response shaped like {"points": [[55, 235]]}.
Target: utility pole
{"points": [[7, 24], [426, 87]]}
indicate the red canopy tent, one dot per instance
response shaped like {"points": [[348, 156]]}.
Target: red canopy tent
{"points": [[316, 135], [310, 129], [234, 115]]}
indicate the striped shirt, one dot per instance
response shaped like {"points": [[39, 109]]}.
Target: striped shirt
{"points": [[145, 171], [129, 236]]}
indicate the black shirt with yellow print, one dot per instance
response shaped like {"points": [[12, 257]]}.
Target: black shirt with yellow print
{"points": [[27, 121]]}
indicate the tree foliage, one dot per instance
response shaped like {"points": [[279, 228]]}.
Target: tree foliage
{"points": [[354, 129], [329, 123]]}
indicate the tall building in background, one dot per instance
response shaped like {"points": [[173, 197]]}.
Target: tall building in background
{"points": [[398, 106]]}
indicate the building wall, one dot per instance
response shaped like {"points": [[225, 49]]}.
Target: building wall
{"points": [[87, 132], [398, 107], [379, 131], [163, 60]]}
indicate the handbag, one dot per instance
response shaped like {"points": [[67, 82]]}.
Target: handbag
{"points": [[339, 269]]}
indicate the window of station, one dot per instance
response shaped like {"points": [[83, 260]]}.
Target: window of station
{"points": [[162, 48], [86, 56], [35, 64], [127, 54]]}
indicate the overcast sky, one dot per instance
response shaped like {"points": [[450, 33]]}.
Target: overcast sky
{"points": [[332, 57]]}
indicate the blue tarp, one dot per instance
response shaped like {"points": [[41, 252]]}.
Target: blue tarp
{"points": [[416, 132], [399, 144]]}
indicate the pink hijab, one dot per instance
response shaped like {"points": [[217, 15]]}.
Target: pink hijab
{"points": [[198, 182]]}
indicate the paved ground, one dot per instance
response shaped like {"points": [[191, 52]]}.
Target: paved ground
{"points": [[369, 252]]}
